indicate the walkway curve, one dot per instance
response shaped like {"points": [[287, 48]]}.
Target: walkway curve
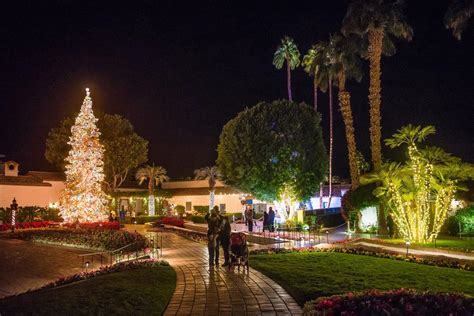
{"points": [[204, 291]]}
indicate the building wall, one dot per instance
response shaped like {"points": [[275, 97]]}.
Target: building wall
{"points": [[55, 191], [26, 195]]}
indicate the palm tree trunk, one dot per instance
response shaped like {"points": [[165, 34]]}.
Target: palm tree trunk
{"points": [[375, 56], [315, 91], [288, 75], [330, 142], [346, 111], [211, 199]]}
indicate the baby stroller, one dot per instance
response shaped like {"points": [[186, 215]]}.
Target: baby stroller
{"points": [[239, 252]]}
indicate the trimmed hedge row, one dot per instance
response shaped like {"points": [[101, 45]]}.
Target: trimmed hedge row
{"points": [[101, 239]]}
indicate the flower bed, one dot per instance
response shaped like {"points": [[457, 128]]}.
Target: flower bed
{"points": [[395, 302], [96, 225], [100, 239], [173, 221], [119, 267], [440, 262], [26, 225]]}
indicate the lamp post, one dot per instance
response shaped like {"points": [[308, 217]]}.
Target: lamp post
{"points": [[407, 243], [327, 236], [87, 265], [14, 208], [435, 235]]}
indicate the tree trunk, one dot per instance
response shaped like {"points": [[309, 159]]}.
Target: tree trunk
{"points": [[346, 111], [375, 56], [330, 142], [288, 75], [315, 91]]}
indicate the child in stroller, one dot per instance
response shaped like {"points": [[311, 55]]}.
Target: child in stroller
{"points": [[239, 252]]}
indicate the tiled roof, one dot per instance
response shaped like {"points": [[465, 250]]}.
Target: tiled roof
{"points": [[27, 180], [48, 176]]}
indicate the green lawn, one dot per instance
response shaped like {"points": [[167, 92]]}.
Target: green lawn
{"points": [[142, 291], [453, 244], [310, 275]]}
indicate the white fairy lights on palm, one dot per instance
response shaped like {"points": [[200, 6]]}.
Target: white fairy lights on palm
{"points": [[83, 199]]}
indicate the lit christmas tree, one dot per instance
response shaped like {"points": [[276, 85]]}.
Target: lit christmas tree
{"points": [[83, 199]]}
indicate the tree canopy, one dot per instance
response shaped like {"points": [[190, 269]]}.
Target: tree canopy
{"points": [[272, 150], [124, 149]]}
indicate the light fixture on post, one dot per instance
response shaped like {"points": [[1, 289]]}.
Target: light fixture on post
{"points": [[14, 208], [407, 243], [327, 236]]}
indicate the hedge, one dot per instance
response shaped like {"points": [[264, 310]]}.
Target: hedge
{"points": [[100, 239]]}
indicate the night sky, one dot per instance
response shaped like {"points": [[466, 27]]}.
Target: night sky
{"points": [[180, 72]]}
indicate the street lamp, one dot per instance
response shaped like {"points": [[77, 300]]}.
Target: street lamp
{"points": [[14, 208], [407, 243]]}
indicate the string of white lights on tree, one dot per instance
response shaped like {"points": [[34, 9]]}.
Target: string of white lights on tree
{"points": [[83, 199]]}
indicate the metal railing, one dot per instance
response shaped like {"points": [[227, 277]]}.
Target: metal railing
{"points": [[125, 253]]}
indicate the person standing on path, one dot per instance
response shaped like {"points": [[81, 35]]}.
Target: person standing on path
{"points": [[271, 219], [265, 221], [214, 222], [249, 216], [224, 237]]}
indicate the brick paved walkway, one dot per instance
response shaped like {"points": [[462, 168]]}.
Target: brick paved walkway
{"points": [[204, 291]]}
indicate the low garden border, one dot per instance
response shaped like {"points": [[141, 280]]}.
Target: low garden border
{"points": [[394, 302], [441, 262]]}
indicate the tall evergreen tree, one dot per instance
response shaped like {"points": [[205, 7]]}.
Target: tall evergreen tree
{"points": [[83, 199]]}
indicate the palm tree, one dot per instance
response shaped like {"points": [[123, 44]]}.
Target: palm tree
{"points": [[212, 175], [317, 63], [457, 16], [155, 176], [314, 63], [376, 21], [345, 65], [287, 52]]}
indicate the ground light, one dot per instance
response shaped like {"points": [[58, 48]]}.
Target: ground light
{"points": [[327, 236], [407, 243]]}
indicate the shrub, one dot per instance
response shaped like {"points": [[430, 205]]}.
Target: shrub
{"points": [[395, 302], [197, 219], [31, 214], [465, 217], [201, 209], [236, 216], [26, 225], [180, 209], [102, 239], [173, 221]]}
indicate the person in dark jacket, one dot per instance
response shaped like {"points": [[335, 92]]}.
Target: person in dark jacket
{"points": [[271, 219], [249, 216], [224, 237], [266, 225], [214, 222]]}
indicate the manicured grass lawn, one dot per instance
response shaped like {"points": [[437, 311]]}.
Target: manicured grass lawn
{"points": [[310, 275], [453, 244], [142, 291]]}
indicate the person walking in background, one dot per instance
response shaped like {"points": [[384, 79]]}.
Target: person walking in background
{"points": [[271, 219], [265, 221], [224, 238], [249, 216], [213, 229]]}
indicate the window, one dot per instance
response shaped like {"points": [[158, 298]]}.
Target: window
{"points": [[189, 206], [222, 208], [325, 204]]}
